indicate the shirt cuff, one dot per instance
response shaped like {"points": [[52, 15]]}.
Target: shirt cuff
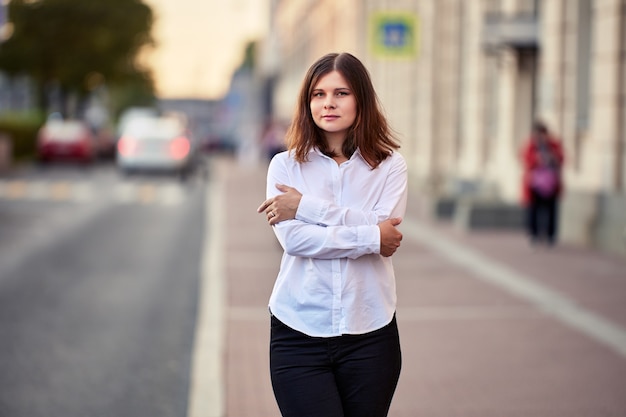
{"points": [[311, 210], [369, 238]]}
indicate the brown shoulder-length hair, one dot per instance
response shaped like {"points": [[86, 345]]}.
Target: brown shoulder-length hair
{"points": [[370, 132]]}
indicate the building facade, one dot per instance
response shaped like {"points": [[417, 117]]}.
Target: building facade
{"points": [[475, 75]]}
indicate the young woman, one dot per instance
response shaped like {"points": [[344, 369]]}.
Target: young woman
{"points": [[334, 199]]}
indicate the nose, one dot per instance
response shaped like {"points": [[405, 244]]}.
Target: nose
{"points": [[329, 103]]}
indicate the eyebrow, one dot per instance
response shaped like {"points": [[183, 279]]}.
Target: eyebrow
{"points": [[336, 89]]}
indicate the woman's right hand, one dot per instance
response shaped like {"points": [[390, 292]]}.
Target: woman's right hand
{"points": [[283, 206]]}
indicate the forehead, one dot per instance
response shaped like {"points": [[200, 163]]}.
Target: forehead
{"points": [[332, 80]]}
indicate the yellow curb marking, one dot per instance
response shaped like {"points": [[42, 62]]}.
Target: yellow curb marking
{"points": [[16, 189], [60, 191]]}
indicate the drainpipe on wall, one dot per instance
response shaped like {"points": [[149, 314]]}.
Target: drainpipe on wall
{"points": [[562, 66], [619, 120], [435, 169]]}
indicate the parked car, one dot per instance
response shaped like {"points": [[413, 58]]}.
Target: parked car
{"points": [[133, 113], [65, 140], [155, 144], [215, 144]]}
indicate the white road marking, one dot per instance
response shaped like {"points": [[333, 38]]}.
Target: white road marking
{"points": [[84, 192], [38, 191], [523, 286], [206, 391], [468, 313], [124, 193], [171, 195]]}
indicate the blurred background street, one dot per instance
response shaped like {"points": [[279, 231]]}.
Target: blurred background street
{"points": [[134, 139], [98, 286]]}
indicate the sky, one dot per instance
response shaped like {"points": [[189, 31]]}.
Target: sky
{"points": [[200, 43]]}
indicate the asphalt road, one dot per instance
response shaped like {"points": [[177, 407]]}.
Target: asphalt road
{"points": [[98, 292]]}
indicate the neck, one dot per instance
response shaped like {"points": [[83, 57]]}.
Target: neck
{"points": [[340, 159], [335, 142]]}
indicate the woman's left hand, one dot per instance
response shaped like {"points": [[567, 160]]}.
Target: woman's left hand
{"points": [[281, 207]]}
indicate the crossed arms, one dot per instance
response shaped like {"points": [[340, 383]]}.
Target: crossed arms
{"points": [[313, 227]]}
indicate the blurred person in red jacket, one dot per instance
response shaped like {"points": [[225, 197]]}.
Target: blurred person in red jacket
{"points": [[542, 184]]}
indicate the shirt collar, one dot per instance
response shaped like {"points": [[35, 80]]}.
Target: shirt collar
{"points": [[356, 154]]}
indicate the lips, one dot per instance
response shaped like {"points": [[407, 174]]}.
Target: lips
{"points": [[330, 117]]}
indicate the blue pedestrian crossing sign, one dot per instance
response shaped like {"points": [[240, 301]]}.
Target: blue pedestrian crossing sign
{"points": [[394, 34]]}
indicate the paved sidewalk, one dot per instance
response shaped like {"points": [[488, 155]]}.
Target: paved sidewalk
{"points": [[490, 327]]}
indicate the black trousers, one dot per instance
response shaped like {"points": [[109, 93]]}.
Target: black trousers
{"points": [[542, 217], [344, 376]]}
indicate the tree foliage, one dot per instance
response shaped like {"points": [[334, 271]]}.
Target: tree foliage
{"points": [[69, 43]]}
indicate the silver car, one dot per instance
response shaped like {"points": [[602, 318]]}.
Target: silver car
{"points": [[158, 143]]}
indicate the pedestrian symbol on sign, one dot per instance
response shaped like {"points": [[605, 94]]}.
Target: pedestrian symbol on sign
{"points": [[395, 35]]}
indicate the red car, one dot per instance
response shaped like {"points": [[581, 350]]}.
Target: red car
{"points": [[66, 140]]}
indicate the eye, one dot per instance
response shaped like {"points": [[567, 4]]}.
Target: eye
{"points": [[318, 94]]}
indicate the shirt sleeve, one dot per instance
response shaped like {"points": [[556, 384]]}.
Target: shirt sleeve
{"points": [[392, 203], [316, 241]]}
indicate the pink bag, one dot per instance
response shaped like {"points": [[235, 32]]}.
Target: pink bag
{"points": [[544, 181]]}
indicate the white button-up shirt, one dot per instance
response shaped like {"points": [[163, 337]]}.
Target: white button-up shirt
{"points": [[332, 278]]}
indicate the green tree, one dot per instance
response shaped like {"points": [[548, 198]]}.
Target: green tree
{"points": [[69, 43]]}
